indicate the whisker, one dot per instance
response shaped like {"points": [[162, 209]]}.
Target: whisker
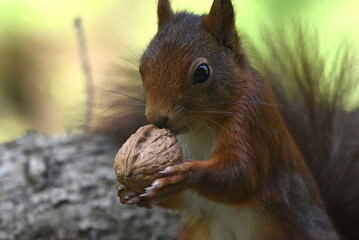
{"points": [[235, 101], [105, 91], [206, 125], [216, 123], [259, 103], [119, 106], [120, 115], [129, 61], [129, 109], [137, 55], [258, 123], [232, 113], [190, 129], [218, 112], [125, 95], [126, 69], [102, 111]]}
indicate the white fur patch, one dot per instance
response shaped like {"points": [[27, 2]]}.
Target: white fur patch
{"points": [[225, 222], [198, 144]]}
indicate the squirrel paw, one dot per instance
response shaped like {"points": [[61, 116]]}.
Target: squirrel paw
{"points": [[172, 180], [127, 196]]}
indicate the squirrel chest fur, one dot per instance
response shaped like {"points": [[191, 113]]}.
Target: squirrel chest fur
{"points": [[244, 177], [213, 220]]}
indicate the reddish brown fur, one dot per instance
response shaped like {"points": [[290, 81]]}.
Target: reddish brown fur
{"points": [[199, 231], [326, 135], [255, 159]]}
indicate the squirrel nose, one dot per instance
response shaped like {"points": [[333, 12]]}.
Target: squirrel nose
{"points": [[158, 120]]}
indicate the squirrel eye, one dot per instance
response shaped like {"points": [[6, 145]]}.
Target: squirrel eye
{"points": [[201, 74]]}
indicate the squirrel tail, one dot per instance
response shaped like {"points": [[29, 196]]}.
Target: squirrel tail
{"points": [[119, 104], [315, 92]]}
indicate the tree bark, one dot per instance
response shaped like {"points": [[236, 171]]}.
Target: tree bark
{"points": [[64, 188]]}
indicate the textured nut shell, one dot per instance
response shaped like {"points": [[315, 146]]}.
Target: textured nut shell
{"points": [[146, 153]]}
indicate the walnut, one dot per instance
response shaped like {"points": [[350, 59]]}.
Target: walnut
{"points": [[146, 153]]}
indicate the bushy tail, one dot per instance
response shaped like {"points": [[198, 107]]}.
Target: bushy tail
{"points": [[315, 93], [119, 105]]}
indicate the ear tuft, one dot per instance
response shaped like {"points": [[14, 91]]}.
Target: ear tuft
{"points": [[221, 23], [164, 12]]}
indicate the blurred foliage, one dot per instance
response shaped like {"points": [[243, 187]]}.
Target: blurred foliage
{"points": [[41, 83]]}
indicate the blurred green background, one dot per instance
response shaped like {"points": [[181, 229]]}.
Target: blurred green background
{"points": [[42, 86]]}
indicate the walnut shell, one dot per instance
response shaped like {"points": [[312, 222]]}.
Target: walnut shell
{"points": [[146, 153]]}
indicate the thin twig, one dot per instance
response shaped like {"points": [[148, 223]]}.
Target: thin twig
{"points": [[86, 67]]}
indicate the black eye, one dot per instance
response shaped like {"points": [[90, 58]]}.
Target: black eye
{"points": [[201, 74]]}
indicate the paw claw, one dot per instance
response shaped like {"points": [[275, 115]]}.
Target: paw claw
{"points": [[148, 189], [155, 184], [144, 194], [167, 170], [129, 195], [133, 200], [148, 192], [119, 187]]}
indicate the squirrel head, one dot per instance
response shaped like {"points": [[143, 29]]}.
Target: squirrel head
{"points": [[192, 67]]}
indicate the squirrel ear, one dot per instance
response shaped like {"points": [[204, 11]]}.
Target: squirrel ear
{"points": [[164, 12], [220, 22]]}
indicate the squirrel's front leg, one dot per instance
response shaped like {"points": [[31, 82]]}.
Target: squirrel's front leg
{"points": [[221, 180], [175, 179]]}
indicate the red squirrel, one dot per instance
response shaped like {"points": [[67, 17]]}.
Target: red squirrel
{"points": [[244, 177]]}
